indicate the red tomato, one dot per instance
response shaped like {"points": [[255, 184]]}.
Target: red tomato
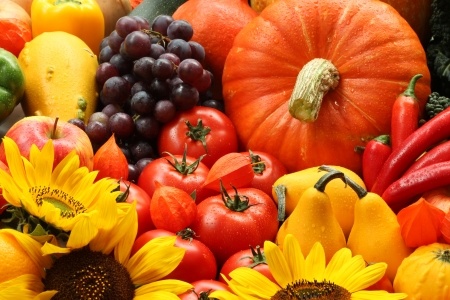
{"points": [[143, 200], [202, 288], [243, 217], [204, 130], [252, 257], [198, 262], [183, 172], [267, 169]]}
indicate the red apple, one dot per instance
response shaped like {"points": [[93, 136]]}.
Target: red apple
{"points": [[39, 129]]}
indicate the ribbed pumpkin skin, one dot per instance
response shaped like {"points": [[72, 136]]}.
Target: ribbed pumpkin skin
{"points": [[375, 51]]}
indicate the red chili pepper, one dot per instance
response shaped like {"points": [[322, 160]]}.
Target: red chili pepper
{"points": [[439, 153], [405, 114], [429, 134], [374, 155], [409, 187]]}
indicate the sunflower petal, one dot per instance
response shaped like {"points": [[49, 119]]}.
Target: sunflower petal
{"points": [[14, 161], [160, 295], [377, 295], [156, 259], [278, 265], [351, 267], [223, 295], [294, 257], [315, 263], [48, 249], [47, 295], [22, 287], [336, 263], [129, 227], [83, 231], [253, 282], [168, 285], [365, 277], [42, 161]]}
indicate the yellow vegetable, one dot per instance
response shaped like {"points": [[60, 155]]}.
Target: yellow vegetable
{"points": [[313, 220], [425, 274], [342, 197], [376, 232], [83, 18], [59, 70]]}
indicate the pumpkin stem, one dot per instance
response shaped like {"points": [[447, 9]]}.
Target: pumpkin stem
{"points": [[315, 79], [443, 255]]}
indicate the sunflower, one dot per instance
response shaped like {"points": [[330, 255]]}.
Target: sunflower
{"points": [[66, 198], [345, 276], [105, 269]]}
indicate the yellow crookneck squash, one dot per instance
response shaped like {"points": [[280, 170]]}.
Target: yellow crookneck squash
{"points": [[307, 81], [425, 273]]}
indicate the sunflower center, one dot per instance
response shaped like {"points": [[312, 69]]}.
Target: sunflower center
{"points": [[315, 290], [84, 274], [68, 205]]}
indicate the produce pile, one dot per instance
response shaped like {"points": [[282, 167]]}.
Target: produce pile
{"points": [[226, 149]]}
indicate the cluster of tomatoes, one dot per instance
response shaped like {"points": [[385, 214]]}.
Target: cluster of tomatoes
{"points": [[230, 210]]}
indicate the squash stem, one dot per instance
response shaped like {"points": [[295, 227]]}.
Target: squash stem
{"points": [[314, 80], [323, 181], [359, 190]]}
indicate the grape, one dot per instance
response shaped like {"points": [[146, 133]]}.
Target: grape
{"points": [[162, 69], [103, 43], [137, 87], [125, 25], [160, 24], [133, 173], [114, 41], [147, 127], [111, 109], [105, 54], [121, 124], [105, 71], [125, 151], [121, 63], [142, 103], [160, 89], [77, 122], [130, 78], [116, 90], [140, 164], [98, 132], [180, 29], [156, 50], [184, 96], [99, 116], [217, 104], [142, 22], [197, 51], [203, 83], [164, 111], [141, 149], [172, 57], [180, 48], [142, 68], [190, 70], [136, 45]]}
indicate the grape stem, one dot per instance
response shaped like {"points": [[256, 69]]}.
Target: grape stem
{"points": [[162, 39]]}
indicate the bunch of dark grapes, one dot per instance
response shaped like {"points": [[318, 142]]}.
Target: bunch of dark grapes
{"points": [[147, 73]]}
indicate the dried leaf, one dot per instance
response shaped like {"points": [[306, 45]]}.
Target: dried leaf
{"points": [[233, 170], [420, 223], [110, 161]]}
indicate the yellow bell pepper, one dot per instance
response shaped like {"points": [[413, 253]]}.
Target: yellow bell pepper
{"points": [[82, 18]]}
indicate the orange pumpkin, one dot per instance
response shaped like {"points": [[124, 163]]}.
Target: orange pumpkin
{"points": [[363, 52]]}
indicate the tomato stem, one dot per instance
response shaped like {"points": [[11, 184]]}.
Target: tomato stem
{"points": [[237, 203], [257, 164], [198, 132], [183, 167]]}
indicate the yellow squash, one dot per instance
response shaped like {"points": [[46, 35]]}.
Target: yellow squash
{"points": [[293, 185], [313, 220], [59, 70]]}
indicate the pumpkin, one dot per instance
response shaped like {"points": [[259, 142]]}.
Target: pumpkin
{"points": [[416, 12], [425, 274], [308, 81]]}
